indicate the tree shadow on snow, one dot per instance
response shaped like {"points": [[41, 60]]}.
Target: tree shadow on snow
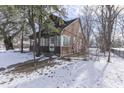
{"points": [[89, 75]]}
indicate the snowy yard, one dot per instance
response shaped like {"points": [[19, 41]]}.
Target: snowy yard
{"points": [[72, 74], [13, 57], [82, 74], [120, 49]]}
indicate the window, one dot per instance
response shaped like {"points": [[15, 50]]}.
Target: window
{"points": [[65, 40], [52, 40], [79, 29], [44, 42], [74, 39], [58, 41], [32, 41]]}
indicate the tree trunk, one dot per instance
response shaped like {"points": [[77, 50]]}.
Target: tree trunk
{"points": [[109, 56], [38, 51], [34, 45], [109, 30], [84, 39], [22, 39], [8, 43]]}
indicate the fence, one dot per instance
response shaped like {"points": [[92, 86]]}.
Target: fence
{"points": [[118, 52]]}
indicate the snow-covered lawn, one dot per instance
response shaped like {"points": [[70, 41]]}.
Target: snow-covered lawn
{"points": [[120, 49], [72, 74], [13, 57], [83, 74]]}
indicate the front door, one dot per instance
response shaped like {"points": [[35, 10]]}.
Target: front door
{"points": [[51, 44]]}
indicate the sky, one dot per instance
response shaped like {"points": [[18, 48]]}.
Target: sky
{"points": [[73, 11]]}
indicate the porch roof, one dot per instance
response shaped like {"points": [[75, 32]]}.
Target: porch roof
{"points": [[44, 34]]}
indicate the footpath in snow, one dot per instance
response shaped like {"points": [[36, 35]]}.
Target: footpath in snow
{"points": [[83, 74]]}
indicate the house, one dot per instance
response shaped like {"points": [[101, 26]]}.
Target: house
{"points": [[68, 41]]}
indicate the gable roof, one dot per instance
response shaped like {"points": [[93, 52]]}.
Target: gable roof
{"points": [[56, 20], [61, 27], [68, 22]]}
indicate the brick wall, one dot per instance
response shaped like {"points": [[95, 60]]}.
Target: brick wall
{"points": [[72, 30]]}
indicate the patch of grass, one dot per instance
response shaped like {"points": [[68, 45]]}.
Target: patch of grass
{"points": [[76, 55], [66, 58], [30, 66]]}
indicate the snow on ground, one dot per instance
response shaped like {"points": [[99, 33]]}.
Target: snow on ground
{"points": [[72, 74], [13, 80], [120, 49], [13, 57], [83, 74]]}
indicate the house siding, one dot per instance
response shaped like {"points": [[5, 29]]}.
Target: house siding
{"points": [[73, 32]]}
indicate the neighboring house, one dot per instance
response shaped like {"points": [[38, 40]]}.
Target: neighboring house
{"points": [[68, 41]]}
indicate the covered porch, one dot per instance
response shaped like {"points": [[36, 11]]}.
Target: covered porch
{"points": [[49, 43]]}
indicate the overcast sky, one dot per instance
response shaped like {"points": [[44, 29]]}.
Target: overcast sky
{"points": [[73, 11]]}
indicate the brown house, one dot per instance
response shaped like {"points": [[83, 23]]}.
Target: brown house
{"points": [[68, 41]]}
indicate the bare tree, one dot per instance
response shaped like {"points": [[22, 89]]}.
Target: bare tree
{"points": [[107, 15], [86, 22]]}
